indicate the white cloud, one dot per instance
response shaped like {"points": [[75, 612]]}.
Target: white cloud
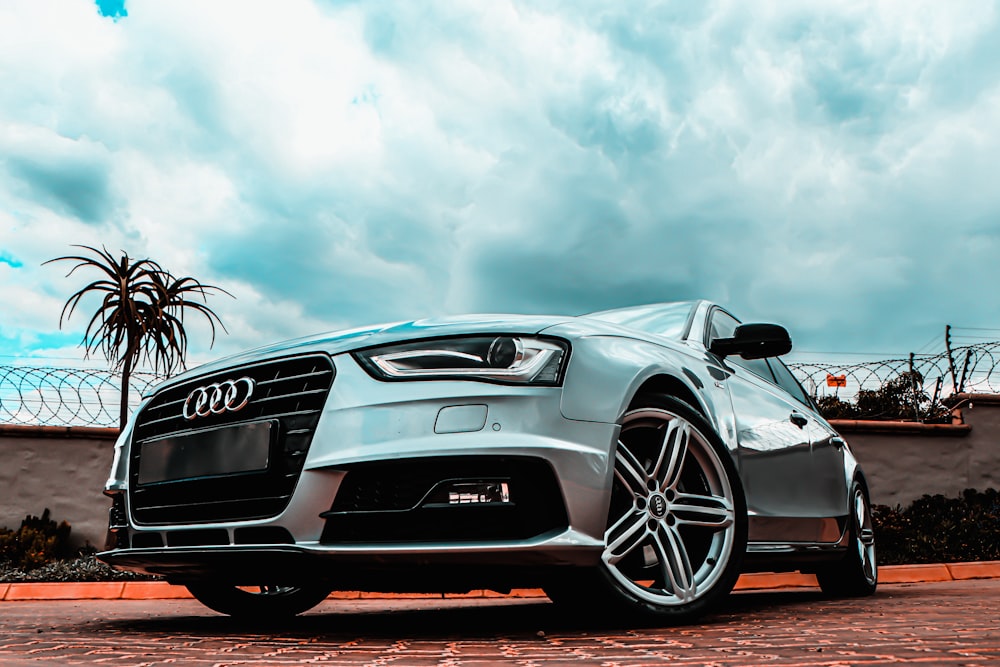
{"points": [[334, 164]]}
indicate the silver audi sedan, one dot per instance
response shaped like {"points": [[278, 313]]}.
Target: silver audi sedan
{"points": [[629, 461]]}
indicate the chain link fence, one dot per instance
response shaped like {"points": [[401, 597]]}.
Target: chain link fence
{"points": [[66, 396]]}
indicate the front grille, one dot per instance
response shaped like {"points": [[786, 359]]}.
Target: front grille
{"points": [[198, 538], [392, 501], [289, 392]]}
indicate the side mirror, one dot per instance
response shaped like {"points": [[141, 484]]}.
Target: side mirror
{"points": [[754, 341]]}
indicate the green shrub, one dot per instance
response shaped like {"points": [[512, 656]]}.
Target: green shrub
{"points": [[37, 542], [901, 398], [832, 407], [936, 529]]}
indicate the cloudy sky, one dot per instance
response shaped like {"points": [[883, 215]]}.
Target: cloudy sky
{"points": [[831, 166]]}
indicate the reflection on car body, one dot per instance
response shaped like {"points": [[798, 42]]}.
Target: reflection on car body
{"points": [[636, 459]]}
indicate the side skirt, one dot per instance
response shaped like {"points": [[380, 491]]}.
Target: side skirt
{"points": [[774, 556]]}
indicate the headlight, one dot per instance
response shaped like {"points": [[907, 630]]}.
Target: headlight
{"points": [[514, 359]]}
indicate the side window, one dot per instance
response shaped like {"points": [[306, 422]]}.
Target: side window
{"points": [[723, 325], [788, 382]]}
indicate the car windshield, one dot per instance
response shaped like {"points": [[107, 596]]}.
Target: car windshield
{"points": [[666, 319]]}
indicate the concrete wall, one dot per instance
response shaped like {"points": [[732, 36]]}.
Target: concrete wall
{"points": [[904, 461], [63, 469]]}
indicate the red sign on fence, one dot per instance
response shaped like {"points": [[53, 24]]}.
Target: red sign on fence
{"points": [[836, 380]]}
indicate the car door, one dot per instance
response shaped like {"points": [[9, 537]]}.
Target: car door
{"points": [[830, 488], [775, 434]]}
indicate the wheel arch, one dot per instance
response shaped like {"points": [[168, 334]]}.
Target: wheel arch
{"points": [[859, 475], [664, 383], [853, 471]]}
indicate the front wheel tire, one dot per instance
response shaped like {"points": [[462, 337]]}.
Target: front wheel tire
{"points": [[258, 603], [677, 524]]}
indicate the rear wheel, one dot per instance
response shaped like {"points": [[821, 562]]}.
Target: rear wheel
{"points": [[258, 602], [857, 574], [677, 526]]}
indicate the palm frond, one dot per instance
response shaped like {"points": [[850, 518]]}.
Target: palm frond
{"points": [[140, 316]]}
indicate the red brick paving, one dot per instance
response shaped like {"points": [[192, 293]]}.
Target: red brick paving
{"points": [[150, 590], [949, 623]]}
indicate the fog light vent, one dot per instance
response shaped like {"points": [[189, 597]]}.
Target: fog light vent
{"points": [[470, 492], [479, 493]]}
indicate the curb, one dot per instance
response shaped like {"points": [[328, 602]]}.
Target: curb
{"points": [[756, 581]]}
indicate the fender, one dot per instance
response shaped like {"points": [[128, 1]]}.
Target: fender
{"points": [[605, 373]]}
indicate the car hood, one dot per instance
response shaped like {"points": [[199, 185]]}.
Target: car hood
{"points": [[337, 342]]}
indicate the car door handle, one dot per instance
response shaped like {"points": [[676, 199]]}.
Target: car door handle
{"points": [[838, 442], [798, 419]]}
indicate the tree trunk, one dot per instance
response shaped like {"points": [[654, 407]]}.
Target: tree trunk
{"points": [[126, 377]]}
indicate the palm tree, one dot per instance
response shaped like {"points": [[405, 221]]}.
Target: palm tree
{"points": [[141, 316]]}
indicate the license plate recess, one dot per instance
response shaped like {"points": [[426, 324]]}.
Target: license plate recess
{"points": [[230, 450]]}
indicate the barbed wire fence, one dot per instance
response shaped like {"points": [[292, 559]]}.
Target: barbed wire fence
{"points": [[971, 369], [38, 396], [930, 378], [43, 396]]}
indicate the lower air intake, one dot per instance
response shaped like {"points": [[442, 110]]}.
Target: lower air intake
{"points": [[431, 500]]}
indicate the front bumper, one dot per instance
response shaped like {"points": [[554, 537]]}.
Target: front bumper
{"points": [[366, 422], [410, 569]]}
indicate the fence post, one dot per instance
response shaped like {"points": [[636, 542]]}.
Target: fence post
{"points": [[951, 357], [965, 369], [937, 391], [913, 391]]}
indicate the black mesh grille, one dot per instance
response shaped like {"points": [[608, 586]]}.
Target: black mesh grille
{"points": [[391, 501], [289, 392]]}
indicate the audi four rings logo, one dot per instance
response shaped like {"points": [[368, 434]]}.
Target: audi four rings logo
{"points": [[218, 397]]}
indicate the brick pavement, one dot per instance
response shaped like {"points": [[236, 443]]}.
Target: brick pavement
{"points": [[947, 623], [152, 590]]}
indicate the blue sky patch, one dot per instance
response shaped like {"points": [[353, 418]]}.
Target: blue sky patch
{"points": [[58, 339], [10, 260], [112, 8]]}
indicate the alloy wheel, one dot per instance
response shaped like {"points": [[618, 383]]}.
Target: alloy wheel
{"points": [[672, 526]]}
